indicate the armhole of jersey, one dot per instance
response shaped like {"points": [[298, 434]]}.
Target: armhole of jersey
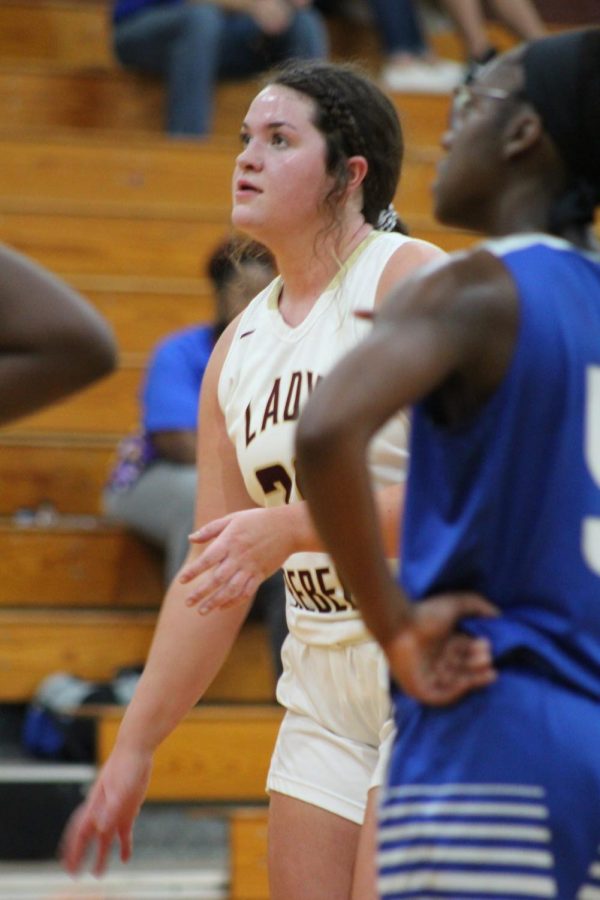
{"points": [[245, 322]]}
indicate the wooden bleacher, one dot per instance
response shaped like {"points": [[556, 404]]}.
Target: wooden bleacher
{"points": [[91, 188]]}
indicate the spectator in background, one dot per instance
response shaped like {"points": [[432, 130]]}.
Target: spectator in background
{"points": [[410, 64], [152, 487], [192, 45], [519, 16]]}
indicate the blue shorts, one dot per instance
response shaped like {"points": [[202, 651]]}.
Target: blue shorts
{"points": [[494, 798]]}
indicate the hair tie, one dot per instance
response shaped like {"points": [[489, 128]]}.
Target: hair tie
{"points": [[387, 219]]}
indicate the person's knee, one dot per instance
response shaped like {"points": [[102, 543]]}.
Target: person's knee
{"points": [[202, 23], [308, 36]]}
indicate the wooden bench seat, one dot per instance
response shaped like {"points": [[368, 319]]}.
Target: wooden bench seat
{"points": [[93, 644], [248, 854], [117, 102], [66, 470], [76, 174], [107, 408], [218, 753], [79, 561]]}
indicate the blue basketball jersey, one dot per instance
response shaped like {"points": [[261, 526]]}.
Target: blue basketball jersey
{"points": [[508, 505]]}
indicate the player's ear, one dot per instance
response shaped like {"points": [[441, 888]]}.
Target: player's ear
{"points": [[357, 171], [521, 132]]}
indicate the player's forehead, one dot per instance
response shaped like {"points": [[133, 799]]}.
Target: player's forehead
{"points": [[506, 73]]}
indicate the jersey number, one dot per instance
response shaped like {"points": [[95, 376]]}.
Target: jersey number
{"points": [[276, 478], [591, 524]]}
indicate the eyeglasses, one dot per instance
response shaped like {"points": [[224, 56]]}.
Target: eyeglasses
{"points": [[465, 97]]}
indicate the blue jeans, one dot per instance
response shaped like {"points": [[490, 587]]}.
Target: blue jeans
{"points": [[399, 26], [193, 45]]}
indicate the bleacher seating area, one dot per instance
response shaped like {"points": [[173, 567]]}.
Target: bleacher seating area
{"points": [[91, 188]]}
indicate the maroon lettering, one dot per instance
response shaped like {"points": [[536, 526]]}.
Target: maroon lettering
{"points": [[271, 409], [250, 435], [291, 410]]}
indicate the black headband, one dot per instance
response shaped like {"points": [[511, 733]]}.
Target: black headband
{"points": [[562, 82]]}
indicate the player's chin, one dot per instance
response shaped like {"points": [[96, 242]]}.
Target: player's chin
{"points": [[245, 221]]}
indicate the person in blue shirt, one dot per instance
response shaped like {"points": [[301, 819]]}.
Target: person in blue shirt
{"points": [[192, 44], [152, 487], [494, 778]]}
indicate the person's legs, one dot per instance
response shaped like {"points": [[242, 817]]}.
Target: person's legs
{"points": [[399, 27], [364, 881], [305, 38], [410, 65], [521, 17], [311, 851], [160, 508], [180, 42], [324, 766], [469, 18], [245, 50]]}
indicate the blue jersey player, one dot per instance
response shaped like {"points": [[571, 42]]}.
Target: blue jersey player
{"points": [[494, 782]]}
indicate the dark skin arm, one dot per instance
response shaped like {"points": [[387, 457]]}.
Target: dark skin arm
{"points": [[448, 336], [52, 342]]}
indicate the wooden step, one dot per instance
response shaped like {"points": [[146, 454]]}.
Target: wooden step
{"points": [[77, 562], [248, 853], [143, 311], [75, 171], [73, 245], [67, 471], [128, 245], [108, 408], [71, 32], [124, 103], [73, 174], [216, 754], [94, 644], [114, 100]]}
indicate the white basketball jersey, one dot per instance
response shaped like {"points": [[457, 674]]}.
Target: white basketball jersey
{"points": [[267, 376]]}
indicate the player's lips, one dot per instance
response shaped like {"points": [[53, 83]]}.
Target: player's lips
{"points": [[244, 187]]}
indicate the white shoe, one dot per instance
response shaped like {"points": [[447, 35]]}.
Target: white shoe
{"points": [[439, 77]]}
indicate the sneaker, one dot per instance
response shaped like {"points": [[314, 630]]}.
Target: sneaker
{"points": [[439, 77]]}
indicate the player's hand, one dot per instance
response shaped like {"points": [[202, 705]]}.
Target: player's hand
{"points": [[108, 814], [434, 662], [245, 548]]}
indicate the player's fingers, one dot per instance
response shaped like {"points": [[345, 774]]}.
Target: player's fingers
{"points": [[126, 842], [76, 838], [474, 605], [209, 531], [212, 556], [227, 595], [103, 845], [246, 593]]}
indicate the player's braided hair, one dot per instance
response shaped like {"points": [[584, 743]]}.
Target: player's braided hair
{"points": [[356, 119]]}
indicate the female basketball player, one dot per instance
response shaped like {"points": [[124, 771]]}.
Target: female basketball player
{"points": [[319, 166]]}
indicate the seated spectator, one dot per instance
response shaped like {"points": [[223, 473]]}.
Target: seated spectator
{"points": [[192, 45], [519, 16], [410, 65], [152, 487]]}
